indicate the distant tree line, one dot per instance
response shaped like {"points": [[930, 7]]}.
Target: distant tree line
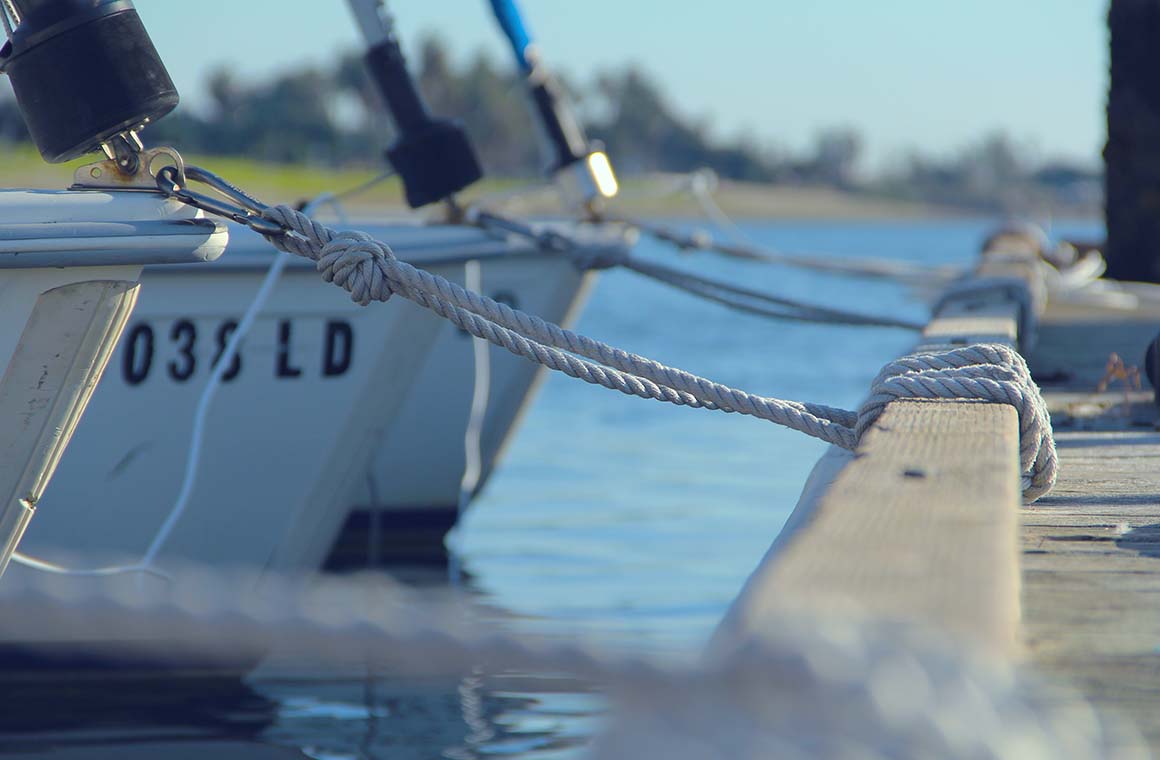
{"points": [[332, 116], [994, 173]]}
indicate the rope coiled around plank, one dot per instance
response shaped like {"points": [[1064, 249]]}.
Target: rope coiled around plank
{"points": [[369, 271], [989, 372]]}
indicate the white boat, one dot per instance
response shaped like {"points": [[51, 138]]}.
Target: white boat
{"points": [[331, 415], [328, 398], [70, 264]]}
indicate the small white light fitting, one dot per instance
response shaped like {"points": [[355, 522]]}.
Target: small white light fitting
{"points": [[601, 170], [587, 183]]}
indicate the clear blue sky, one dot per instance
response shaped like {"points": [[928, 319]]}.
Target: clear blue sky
{"points": [[927, 73]]}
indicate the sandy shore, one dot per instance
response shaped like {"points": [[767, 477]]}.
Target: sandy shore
{"points": [[647, 198], [655, 196]]}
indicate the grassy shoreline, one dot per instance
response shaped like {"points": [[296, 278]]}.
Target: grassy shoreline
{"points": [[650, 197]]}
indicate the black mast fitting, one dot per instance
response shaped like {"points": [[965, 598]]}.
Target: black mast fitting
{"points": [[86, 77], [433, 157]]}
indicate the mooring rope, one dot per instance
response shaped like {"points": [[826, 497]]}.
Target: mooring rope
{"points": [[702, 183], [727, 294], [876, 269], [368, 270], [755, 302]]}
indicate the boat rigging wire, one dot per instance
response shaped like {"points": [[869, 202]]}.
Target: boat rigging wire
{"points": [[335, 200], [44, 566], [205, 400], [701, 186]]}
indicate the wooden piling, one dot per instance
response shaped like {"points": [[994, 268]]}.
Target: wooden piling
{"points": [[1132, 153]]}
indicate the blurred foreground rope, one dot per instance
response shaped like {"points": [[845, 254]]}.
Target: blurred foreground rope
{"points": [[834, 687]]}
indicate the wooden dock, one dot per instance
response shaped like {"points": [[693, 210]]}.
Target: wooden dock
{"points": [[926, 525], [1091, 548]]}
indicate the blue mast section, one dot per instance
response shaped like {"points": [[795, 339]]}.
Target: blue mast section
{"points": [[564, 136], [511, 21]]}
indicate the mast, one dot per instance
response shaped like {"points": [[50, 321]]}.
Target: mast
{"points": [[433, 157], [580, 168], [1132, 154]]}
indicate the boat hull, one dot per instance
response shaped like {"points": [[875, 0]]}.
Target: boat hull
{"points": [[333, 409], [71, 261], [318, 380]]}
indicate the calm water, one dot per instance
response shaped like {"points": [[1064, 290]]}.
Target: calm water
{"points": [[628, 520]]}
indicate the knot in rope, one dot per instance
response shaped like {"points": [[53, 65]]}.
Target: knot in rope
{"points": [[357, 262], [991, 373], [354, 261]]}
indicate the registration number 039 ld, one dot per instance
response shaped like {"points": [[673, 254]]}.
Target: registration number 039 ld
{"points": [[176, 350]]}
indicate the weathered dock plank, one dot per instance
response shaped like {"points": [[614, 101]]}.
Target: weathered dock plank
{"points": [[1091, 573], [921, 525], [903, 533], [926, 523]]}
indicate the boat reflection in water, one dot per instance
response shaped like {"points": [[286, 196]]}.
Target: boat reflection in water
{"points": [[63, 704], [480, 715], [369, 709]]}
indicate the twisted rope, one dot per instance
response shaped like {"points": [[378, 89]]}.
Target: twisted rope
{"points": [[700, 240], [756, 302], [993, 373], [373, 273], [727, 294], [369, 271]]}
